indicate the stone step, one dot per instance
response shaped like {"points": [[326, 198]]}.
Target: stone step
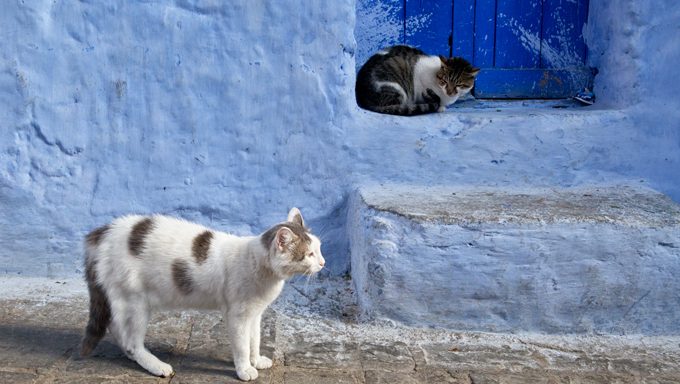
{"points": [[577, 260]]}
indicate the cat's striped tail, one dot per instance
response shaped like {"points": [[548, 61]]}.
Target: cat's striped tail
{"points": [[406, 110], [100, 308]]}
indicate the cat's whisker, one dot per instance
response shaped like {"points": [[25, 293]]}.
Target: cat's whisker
{"points": [[308, 275], [310, 279]]}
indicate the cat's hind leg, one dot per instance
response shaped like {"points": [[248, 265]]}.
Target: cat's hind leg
{"points": [[100, 317], [129, 328], [393, 102]]}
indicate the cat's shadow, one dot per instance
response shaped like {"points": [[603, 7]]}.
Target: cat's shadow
{"points": [[43, 347]]}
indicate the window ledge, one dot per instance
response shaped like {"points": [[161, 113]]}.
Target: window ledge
{"points": [[504, 105], [485, 108]]}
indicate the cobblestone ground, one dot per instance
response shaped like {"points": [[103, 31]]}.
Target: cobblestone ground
{"points": [[313, 336]]}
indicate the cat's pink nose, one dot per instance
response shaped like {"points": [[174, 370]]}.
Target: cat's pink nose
{"points": [[322, 262]]}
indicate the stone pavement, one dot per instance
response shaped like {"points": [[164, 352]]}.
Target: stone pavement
{"points": [[314, 337]]}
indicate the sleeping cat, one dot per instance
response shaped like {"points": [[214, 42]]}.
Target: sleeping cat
{"points": [[137, 263], [403, 80]]}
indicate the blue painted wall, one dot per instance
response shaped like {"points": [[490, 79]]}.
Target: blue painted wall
{"points": [[226, 114], [231, 114]]}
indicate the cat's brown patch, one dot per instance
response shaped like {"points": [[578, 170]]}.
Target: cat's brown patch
{"points": [[90, 272], [201, 246], [100, 310], [298, 248], [138, 234], [95, 237], [181, 275]]}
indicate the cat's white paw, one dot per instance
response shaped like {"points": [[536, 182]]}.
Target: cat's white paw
{"points": [[262, 362], [441, 109], [161, 369], [247, 374]]}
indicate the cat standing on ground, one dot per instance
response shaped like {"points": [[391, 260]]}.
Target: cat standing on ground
{"points": [[403, 80], [136, 264]]}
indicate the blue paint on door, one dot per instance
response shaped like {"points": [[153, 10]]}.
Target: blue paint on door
{"points": [[562, 42], [484, 34], [428, 25], [525, 48], [518, 28], [463, 28]]}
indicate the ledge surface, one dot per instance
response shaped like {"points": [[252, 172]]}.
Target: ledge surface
{"points": [[461, 205]]}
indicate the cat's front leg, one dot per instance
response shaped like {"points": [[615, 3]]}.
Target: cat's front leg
{"points": [[258, 361], [239, 334], [431, 97]]}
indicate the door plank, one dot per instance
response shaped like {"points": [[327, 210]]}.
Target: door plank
{"points": [[485, 33], [428, 25], [518, 33], [463, 29], [563, 45]]}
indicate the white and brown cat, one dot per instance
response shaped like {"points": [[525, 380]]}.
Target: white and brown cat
{"points": [[403, 80], [139, 263]]}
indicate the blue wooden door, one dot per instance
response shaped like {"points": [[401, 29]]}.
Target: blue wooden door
{"points": [[526, 48]]}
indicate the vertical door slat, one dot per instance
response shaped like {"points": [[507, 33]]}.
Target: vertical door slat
{"points": [[428, 25], [485, 33], [563, 45], [518, 33], [463, 29]]}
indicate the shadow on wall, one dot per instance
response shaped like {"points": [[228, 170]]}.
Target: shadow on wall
{"points": [[332, 232]]}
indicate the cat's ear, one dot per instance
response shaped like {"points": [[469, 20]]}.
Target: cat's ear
{"points": [[284, 237], [294, 216], [443, 59], [474, 72]]}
